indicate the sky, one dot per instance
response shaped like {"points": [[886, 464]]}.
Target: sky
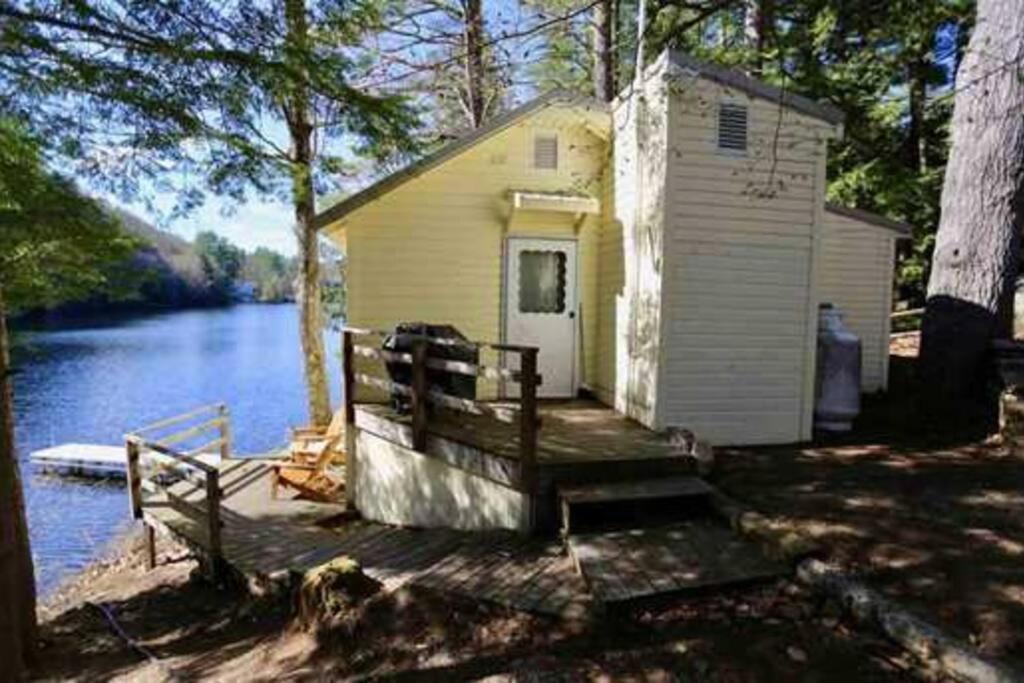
{"points": [[255, 223], [251, 224]]}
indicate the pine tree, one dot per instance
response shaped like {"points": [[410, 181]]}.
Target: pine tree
{"points": [[54, 245], [192, 86]]}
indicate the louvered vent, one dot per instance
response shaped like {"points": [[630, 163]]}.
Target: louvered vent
{"points": [[732, 127], [545, 152]]}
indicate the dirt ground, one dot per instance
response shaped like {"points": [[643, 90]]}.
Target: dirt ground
{"points": [[197, 631], [934, 520]]}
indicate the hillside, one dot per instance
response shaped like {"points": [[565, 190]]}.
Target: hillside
{"points": [[169, 270]]}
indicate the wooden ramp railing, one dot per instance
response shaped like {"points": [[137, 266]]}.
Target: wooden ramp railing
{"points": [[171, 449], [523, 411]]}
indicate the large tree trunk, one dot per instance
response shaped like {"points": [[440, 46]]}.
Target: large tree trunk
{"points": [[17, 580], [603, 50], [755, 27], [976, 249], [310, 316], [475, 74], [917, 89]]}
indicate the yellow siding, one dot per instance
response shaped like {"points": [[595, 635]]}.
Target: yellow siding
{"points": [[432, 249], [856, 276], [738, 269]]}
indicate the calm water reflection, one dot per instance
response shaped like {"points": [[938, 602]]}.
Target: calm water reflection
{"points": [[96, 380]]}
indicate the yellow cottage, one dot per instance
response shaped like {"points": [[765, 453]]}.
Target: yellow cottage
{"points": [[667, 253]]}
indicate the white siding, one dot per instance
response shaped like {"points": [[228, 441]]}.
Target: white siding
{"points": [[856, 274], [640, 131], [739, 245]]}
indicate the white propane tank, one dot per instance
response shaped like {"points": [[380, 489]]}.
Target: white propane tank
{"points": [[837, 395]]}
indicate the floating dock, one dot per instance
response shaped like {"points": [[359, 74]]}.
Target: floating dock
{"points": [[96, 460]]}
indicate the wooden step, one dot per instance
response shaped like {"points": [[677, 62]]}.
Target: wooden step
{"points": [[647, 489], [627, 492], [625, 565]]}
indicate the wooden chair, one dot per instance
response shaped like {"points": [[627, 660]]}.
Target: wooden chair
{"points": [[308, 468]]}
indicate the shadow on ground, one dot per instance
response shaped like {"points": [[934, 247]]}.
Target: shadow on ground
{"points": [[773, 631], [933, 519]]}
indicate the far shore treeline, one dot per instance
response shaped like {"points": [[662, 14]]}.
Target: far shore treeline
{"points": [[166, 271]]}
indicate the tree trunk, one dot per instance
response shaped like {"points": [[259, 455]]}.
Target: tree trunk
{"points": [[976, 248], [603, 50], [755, 18], [475, 76], [917, 89], [17, 580], [310, 316]]}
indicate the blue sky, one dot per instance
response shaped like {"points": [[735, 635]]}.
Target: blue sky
{"points": [[255, 223], [249, 225]]}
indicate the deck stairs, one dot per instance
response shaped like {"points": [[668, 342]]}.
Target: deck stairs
{"points": [[639, 538]]}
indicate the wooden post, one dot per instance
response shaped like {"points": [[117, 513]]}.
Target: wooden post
{"points": [[150, 547], [419, 395], [134, 478], [225, 431], [528, 421], [213, 516], [348, 397]]}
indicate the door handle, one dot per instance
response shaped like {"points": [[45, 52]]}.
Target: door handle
{"points": [[572, 314]]}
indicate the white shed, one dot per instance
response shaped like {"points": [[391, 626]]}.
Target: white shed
{"points": [[728, 251], [856, 275]]}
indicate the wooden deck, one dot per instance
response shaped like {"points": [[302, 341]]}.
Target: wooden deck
{"points": [[571, 432], [271, 541]]}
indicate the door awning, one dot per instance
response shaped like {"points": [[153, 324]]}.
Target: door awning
{"points": [[554, 201]]}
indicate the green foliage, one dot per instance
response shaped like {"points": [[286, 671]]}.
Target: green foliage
{"points": [[888, 65], [332, 286], [182, 96], [271, 273], [55, 244], [222, 262]]}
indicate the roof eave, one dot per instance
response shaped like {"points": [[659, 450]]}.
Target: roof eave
{"points": [[378, 189], [732, 78], [901, 230]]}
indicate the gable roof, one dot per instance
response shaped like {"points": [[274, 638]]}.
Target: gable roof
{"points": [[732, 78], [902, 230], [452, 149]]}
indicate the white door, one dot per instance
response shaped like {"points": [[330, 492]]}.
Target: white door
{"points": [[540, 286]]}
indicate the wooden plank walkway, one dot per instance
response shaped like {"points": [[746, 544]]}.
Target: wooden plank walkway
{"points": [[271, 541], [626, 565]]}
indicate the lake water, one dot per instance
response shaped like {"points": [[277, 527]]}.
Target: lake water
{"points": [[95, 380]]}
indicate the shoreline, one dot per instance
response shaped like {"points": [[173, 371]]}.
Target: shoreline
{"points": [[116, 554]]}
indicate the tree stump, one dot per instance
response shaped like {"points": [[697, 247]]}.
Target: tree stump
{"points": [[331, 594], [1011, 417]]}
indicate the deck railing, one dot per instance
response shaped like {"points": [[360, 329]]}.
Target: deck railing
{"points": [[206, 430], [524, 412]]}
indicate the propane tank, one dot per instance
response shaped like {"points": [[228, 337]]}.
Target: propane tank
{"points": [[837, 395]]}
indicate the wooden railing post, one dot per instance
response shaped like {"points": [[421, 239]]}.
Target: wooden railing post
{"points": [[225, 431], [348, 371], [419, 395], [528, 422], [132, 454], [213, 515], [348, 397]]}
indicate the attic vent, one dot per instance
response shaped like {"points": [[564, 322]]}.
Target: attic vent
{"points": [[732, 127], [545, 152]]}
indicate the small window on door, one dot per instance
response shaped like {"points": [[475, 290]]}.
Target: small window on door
{"points": [[542, 282], [545, 151]]}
